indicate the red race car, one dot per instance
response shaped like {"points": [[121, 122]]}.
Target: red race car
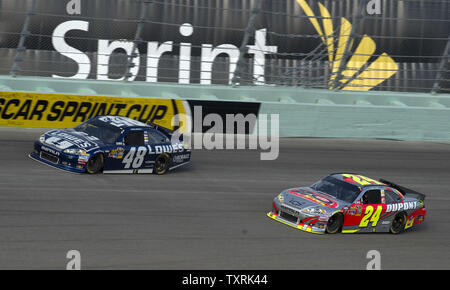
{"points": [[349, 203]]}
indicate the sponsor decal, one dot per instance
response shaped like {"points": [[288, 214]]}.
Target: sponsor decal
{"points": [[117, 153], [402, 206], [62, 140], [120, 122], [290, 210], [106, 47], [315, 211], [360, 180], [180, 158], [20, 109], [170, 148], [295, 202], [58, 142], [355, 209], [281, 197], [314, 197], [83, 159], [46, 149], [359, 73]]}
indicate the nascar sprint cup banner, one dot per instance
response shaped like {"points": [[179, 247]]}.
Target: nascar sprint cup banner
{"points": [[66, 111]]}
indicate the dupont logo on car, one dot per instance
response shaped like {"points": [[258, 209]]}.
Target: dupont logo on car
{"points": [[402, 206]]}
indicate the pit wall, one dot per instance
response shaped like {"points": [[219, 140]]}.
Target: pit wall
{"points": [[57, 103]]}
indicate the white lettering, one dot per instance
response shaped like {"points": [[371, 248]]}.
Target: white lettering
{"points": [[60, 45], [154, 53], [184, 71], [105, 49], [209, 54], [260, 49]]}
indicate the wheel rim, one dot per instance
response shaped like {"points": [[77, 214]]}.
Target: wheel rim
{"points": [[397, 223], [92, 161], [333, 224], [93, 165], [161, 164]]}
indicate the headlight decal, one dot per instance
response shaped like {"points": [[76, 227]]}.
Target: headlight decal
{"points": [[75, 151]]}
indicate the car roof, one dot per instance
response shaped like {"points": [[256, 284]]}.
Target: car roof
{"points": [[357, 179], [122, 122]]}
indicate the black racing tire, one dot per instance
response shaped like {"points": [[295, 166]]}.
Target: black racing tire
{"points": [[398, 223], [335, 223], [162, 164], [95, 164]]}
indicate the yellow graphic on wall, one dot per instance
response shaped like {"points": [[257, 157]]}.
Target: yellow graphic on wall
{"points": [[24, 109], [358, 74]]}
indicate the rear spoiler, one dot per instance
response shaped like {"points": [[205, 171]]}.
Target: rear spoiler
{"points": [[405, 191]]}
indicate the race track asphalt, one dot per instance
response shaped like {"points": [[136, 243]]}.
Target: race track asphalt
{"points": [[212, 213]]}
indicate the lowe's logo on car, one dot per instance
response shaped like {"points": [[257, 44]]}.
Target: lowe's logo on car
{"points": [[172, 148], [63, 141], [75, 140], [402, 206], [58, 143]]}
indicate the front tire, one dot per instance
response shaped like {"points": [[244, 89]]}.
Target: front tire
{"points": [[334, 224], [95, 164], [162, 164], [398, 224]]}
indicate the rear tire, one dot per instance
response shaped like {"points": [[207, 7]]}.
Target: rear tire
{"points": [[95, 164], [334, 224], [398, 224], [162, 164]]}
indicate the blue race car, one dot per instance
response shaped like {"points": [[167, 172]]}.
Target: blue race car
{"points": [[111, 144]]}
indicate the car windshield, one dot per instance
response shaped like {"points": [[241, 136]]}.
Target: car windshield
{"points": [[103, 131], [337, 188]]}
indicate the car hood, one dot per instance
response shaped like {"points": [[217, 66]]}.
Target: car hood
{"points": [[304, 197], [63, 139]]}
